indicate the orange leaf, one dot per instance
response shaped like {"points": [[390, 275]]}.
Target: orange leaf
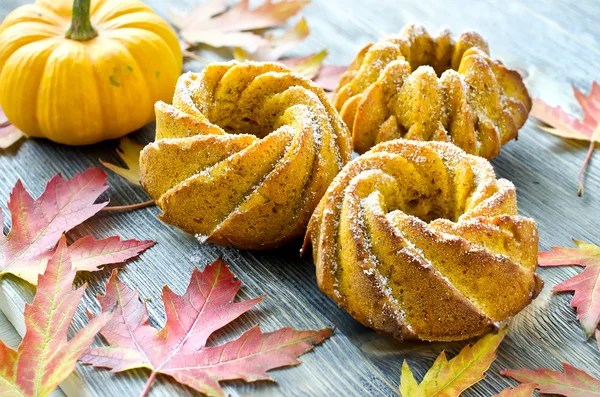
{"points": [[586, 284], [450, 378], [524, 390], [9, 134], [180, 348], [45, 357], [214, 24], [563, 125], [129, 152], [571, 382]]}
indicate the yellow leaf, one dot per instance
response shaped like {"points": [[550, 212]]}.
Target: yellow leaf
{"points": [[129, 152], [450, 378]]}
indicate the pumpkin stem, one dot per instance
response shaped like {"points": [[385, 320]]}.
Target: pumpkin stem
{"points": [[81, 27]]}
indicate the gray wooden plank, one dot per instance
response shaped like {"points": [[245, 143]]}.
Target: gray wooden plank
{"points": [[556, 42]]}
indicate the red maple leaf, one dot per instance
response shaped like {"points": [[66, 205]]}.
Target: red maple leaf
{"points": [[37, 225], [572, 382], [9, 134], [179, 348], [586, 284], [45, 357], [566, 126]]}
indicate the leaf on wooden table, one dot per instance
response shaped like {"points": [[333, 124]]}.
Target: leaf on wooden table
{"points": [[311, 66], [217, 25], [37, 225], [180, 348], [45, 357], [89, 254], [571, 382], [277, 46], [562, 124], [586, 284], [450, 378], [524, 390], [9, 134], [129, 152], [329, 76]]}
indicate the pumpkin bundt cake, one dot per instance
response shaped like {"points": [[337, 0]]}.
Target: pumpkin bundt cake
{"points": [[391, 90], [244, 154], [420, 240]]}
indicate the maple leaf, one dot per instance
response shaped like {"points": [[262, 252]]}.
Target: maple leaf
{"points": [[179, 348], [571, 382], [276, 46], [586, 284], [89, 254], [215, 24], [524, 390], [45, 357], [37, 225], [129, 152], [563, 125], [450, 378], [9, 134]]}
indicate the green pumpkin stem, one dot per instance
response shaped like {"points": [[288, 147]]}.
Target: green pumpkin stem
{"points": [[81, 27]]}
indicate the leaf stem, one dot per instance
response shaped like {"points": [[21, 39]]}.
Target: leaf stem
{"points": [[81, 28], [588, 157], [148, 384], [129, 207]]}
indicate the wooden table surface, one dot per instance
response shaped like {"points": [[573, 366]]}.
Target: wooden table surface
{"points": [[556, 42]]}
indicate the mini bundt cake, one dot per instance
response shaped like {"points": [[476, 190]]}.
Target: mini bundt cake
{"points": [[244, 154], [420, 240], [391, 90]]}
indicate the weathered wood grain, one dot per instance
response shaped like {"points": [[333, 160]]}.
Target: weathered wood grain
{"points": [[558, 43]]}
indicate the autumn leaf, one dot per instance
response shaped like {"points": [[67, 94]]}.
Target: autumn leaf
{"points": [[89, 254], [329, 76], [450, 378], [129, 152], [586, 284], [180, 348], [276, 47], [571, 382], [308, 66], [563, 125], [524, 390], [37, 225], [213, 23], [45, 357], [9, 134]]}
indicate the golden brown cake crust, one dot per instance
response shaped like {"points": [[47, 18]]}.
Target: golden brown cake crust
{"points": [[244, 154], [419, 239], [417, 87]]}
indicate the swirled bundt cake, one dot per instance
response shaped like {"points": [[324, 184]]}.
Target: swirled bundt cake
{"points": [[392, 90], [244, 154], [420, 240]]}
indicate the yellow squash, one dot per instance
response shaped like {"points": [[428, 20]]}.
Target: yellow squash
{"points": [[81, 72]]}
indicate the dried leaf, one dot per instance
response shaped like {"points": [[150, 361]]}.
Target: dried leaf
{"points": [[38, 224], [45, 357], [129, 152], [563, 125], [308, 66], [450, 378], [179, 349], [329, 76], [9, 134], [277, 46], [214, 24], [572, 382], [524, 390], [90, 254], [586, 284]]}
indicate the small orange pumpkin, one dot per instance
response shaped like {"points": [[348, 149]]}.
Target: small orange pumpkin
{"points": [[79, 73]]}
